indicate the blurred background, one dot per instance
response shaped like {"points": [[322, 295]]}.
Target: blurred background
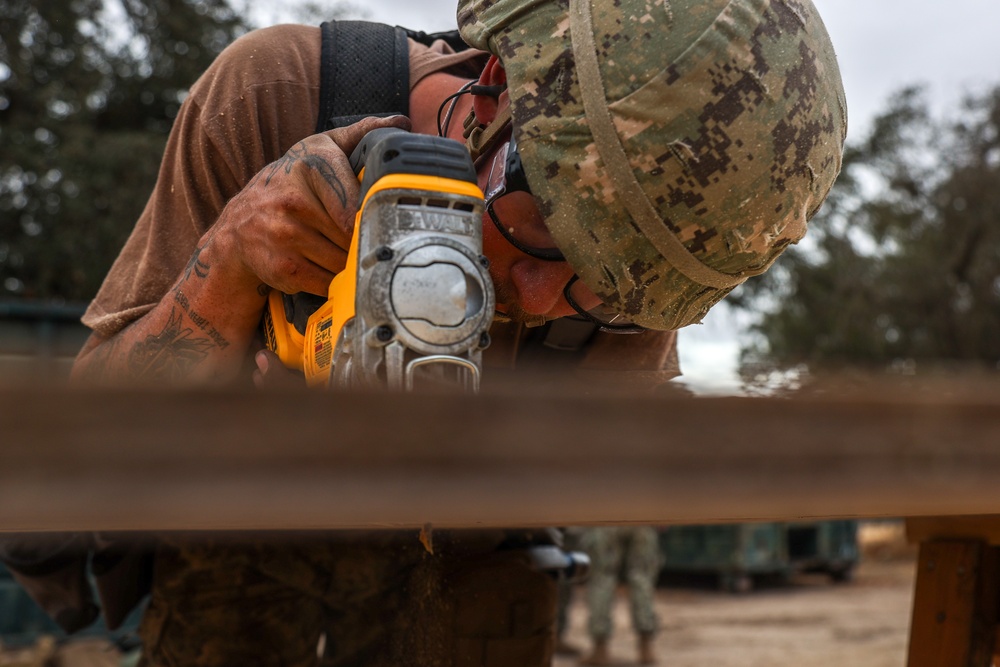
{"points": [[900, 272]]}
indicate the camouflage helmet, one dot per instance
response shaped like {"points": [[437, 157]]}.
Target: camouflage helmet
{"points": [[675, 147]]}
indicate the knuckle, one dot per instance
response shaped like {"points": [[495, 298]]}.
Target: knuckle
{"points": [[286, 267], [286, 201], [282, 234]]}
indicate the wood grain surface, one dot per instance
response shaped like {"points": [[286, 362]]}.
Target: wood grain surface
{"points": [[242, 460]]}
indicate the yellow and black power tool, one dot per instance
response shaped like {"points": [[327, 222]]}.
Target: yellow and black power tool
{"points": [[414, 304]]}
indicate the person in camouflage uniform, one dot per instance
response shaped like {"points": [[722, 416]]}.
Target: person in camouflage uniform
{"points": [[635, 548], [641, 159]]}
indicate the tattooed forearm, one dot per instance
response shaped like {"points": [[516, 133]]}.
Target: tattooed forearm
{"points": [[188, 341], [171, 354], [195, 266], [199, 321], [299, 153]]}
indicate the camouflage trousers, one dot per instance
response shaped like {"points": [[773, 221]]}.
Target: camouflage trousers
{"points": [[609, 549], [355, 599]]}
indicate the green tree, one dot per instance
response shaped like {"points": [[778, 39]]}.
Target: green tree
{"points": [[901, 268], [88, 90]]}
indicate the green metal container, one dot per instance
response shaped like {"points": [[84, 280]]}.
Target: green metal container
{"points": [[736, 553]]}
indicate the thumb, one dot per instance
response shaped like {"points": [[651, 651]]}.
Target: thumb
{"points": [[348, 138]]}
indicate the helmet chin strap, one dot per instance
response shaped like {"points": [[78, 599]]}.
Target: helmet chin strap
{"points": [[480, 139]]}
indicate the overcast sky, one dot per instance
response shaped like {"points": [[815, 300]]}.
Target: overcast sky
{"points": [[951, 46]]}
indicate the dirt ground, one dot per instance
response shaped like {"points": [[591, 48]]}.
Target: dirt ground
{"points": [[804, 622]]}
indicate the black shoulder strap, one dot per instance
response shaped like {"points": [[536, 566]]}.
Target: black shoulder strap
{"points": [[364, 71]]}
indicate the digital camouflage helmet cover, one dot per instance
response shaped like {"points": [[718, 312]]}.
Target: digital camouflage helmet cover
{"points": [[676, 147]]}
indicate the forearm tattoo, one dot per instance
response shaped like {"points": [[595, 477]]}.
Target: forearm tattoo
{"points": [[171, 354], [195, 266], [175, 351]]}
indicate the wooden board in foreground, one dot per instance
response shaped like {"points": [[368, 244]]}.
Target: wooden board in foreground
{"points": [[141, 460]]}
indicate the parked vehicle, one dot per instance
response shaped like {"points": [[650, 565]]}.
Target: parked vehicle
{"points": [[737, 553]]}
